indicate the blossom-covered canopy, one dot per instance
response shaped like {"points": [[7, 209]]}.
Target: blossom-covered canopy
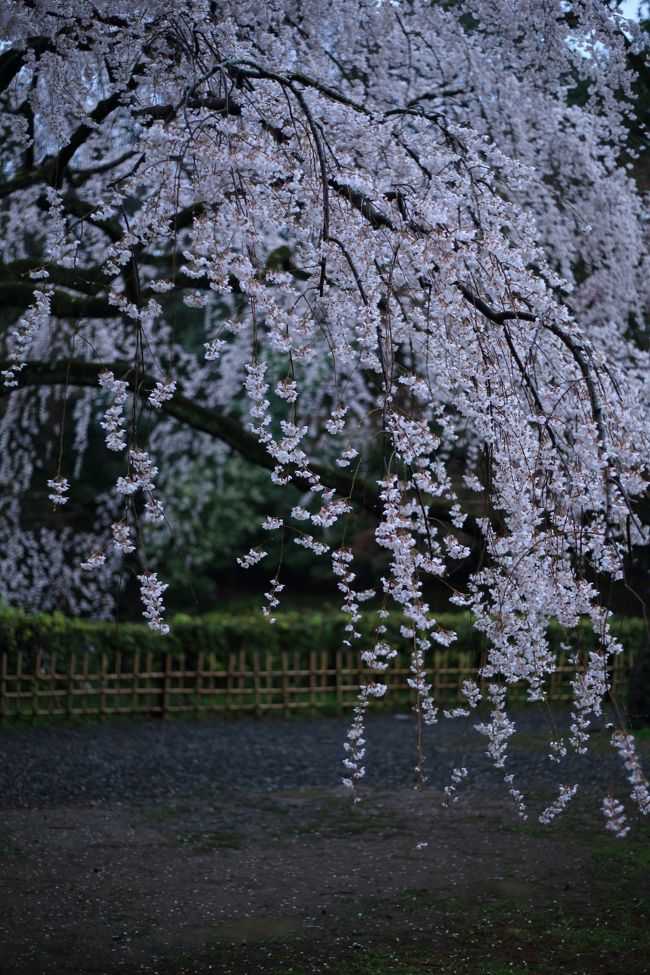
{"points": [[411, 231]]}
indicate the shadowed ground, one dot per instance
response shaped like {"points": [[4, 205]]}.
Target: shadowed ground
{"points": [[261, 867]]}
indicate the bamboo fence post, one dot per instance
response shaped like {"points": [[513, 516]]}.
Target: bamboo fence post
{"points": [[135, 683], [198, 683], [118, 682], [102, 696], [70, 685], [312, 682], [269, 672], [213, 690], [229, 681], [182, 672], [242, 677], [147, 677], [85, 681], [37, 674], [3, 684], [285, 684], [50, 684], [166, 685], [19, 682], [338, 677], [256, 683], [299, 674]]}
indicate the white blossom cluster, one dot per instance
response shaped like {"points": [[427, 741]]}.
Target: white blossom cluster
{"points": [[113, 421], [565, 795], [625, 745], [342, 568], [151, 590], [312, 544], [254, 556], [144, 470], [59, 486], [499, 728], [450, 792], [272, 600], [614, 814], [24, 334], [141, 478], [94, 561], [162, 392], [355, 744], [121, 538]]}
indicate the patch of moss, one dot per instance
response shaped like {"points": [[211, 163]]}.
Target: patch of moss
{"points": [[165, 814], [206, 841]]}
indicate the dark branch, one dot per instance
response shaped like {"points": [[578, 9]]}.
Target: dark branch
{"points": [[165, 113], [87, 280], [498, 317], [190, 413], [53, 168], [12, 61], [379, 220], [17, 294]]}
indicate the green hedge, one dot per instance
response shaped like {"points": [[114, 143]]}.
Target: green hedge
{"points": [[226, 633], [220, 633]]}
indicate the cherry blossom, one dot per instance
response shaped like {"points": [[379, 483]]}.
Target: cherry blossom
{"points": [[412, 235]]}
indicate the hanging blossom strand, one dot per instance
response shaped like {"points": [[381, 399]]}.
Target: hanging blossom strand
{"points": [[59, 486], [151, 590], [113, 421]]}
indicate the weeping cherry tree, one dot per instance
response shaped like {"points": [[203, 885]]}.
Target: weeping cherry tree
{"points": [[412, 245]]}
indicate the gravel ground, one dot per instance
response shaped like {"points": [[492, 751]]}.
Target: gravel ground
{"points": [[231, 848], [158, 759]]}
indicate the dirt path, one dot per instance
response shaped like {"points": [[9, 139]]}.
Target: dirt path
{"points": [[227, 848], [301, 881]]}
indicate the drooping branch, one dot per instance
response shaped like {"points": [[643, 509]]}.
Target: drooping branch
{"points": [[84, 210], [381, 221], [361, 217]]}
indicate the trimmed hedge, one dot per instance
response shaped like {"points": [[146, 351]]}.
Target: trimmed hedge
{"points": [[224, 633], [219, 633]]}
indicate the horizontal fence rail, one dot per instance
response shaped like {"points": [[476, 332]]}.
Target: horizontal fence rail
{"points": [[99, 684]]}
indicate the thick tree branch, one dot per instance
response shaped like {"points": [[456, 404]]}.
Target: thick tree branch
{"points": [[18, 294], [84, 210], [88, 280], [165, 113], [53, 167], [190, 413], [498, 317], [12, 61]]}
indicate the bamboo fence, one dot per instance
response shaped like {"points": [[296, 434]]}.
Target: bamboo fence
{"points": [[243, 682]]}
